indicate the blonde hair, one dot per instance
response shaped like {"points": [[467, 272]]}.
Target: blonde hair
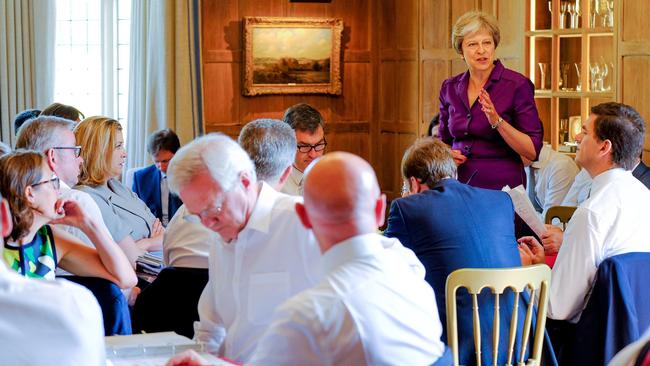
{"points": [[471, 22], [96, 135]]}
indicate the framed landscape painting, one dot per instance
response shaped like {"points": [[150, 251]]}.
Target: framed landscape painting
{"points": [[292, 55]]}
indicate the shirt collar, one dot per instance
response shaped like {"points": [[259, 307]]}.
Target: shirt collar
{"points": [[605, 177], [64, 186], [355, 247], [260, 219]]}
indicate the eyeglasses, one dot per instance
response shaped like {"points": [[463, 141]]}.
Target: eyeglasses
{"points": [[75, 149], [56, 182], [213, 210], [305, 148]]}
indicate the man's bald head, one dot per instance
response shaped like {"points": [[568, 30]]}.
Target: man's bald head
{"points": [[342, 197]]}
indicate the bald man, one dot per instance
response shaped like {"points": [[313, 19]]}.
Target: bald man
{"points": [[371, 307]]}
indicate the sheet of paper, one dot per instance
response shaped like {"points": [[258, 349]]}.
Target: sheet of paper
{"points": [[148, 340], [524, 208]]}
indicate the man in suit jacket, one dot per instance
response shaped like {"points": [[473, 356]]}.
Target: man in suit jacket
{"points": [[450, 225], [642, 173], [150, 183]]}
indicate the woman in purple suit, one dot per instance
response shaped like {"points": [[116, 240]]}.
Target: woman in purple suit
{"points": [[488, 113]]}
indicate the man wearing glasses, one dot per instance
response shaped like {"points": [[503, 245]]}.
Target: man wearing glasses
{"points": [[308, 124], [53, 137]]}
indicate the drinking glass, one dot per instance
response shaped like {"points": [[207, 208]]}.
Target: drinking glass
{"points": [[543, 67], [577, 67]]}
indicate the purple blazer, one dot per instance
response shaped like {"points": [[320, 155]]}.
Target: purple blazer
{"points": [[491, 162]]}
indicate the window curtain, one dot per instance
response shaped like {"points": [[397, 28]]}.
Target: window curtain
{"points": [[165, 82], [27, 31]]}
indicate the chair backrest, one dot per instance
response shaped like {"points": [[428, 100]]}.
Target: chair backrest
{"points": [[532, 279], [562, 213]]}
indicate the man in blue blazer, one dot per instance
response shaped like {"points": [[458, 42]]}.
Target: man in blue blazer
{"points": [[150, 183], [450, 225]]}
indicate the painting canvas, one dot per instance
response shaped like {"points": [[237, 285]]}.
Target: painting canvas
{"points": [[292, 55]]}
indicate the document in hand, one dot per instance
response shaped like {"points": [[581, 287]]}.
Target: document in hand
{"points": [[524, 208]]}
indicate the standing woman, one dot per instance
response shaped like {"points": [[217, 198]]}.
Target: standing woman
{"points": [[488, 113], [127, 217]]}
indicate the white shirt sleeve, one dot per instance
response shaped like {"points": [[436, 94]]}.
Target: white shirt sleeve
{"points": [[209, 330], [576, 266]]}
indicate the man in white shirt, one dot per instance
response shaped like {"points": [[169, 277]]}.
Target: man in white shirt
{"points": [[371, 308], [262, 256], [46, 322], [612, 221], [308, 124], [549, 178], [271, 144]]}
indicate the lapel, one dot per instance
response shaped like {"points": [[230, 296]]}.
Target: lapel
{"points": [[115, 195], [461, 89]]}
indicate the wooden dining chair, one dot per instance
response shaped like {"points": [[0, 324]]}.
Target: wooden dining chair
{"points": [[562, 213], [533, 279]]}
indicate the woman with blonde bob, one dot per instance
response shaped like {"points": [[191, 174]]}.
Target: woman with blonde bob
{"points": [[488, 113], [128, 218], [34, 248]]}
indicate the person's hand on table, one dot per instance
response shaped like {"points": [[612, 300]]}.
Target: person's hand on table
{"points": [[530, 251], [459, 158], [552, 239], [187, 358]]}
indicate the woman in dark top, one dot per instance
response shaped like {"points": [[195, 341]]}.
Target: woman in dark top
{"points": [[488, 113], [34, 248]]}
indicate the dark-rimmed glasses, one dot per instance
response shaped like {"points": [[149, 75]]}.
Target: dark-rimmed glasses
{"points": [[56, 182], [305, 148], [75, 149]]}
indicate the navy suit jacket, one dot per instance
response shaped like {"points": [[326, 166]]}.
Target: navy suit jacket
{"points": [[453, 226], [146, 184], [642, 173]]}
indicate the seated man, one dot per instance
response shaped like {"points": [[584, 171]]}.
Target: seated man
{"points": [[308, 124], [450, 225], [23, 117], [613, 220], [150, 183], [549, 178], [43, 321], [642, 172], [371, 308]]}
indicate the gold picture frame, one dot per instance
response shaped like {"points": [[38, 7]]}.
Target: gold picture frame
{"points": [[292, 55]]}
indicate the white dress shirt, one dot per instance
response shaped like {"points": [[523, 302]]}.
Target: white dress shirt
{"points": [[293, 185], [371, 309], [554, 175], [579, 191], [187, 242], [48, 322], [89, 205], [614, 220], [273, 258]]}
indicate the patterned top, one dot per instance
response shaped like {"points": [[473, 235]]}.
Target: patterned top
{"points": [[36, 259]]}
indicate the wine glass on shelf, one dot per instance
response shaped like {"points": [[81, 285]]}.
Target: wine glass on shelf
{"points": [[594, 71], [603, 11], [563, 10], [564, 77], [577, 67], [593, 10], [604, 71], [543, 68], [572, 16], [610, 12]]}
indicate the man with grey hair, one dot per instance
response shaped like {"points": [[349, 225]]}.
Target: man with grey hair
{"points": [[263, 255], [271, 144], [53, 137], [450, 225]]}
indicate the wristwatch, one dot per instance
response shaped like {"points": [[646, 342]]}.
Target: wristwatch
{"points": [[496, 125]]}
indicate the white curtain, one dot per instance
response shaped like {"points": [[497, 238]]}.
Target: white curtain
{"points": [[26, 59], [165, 84]]}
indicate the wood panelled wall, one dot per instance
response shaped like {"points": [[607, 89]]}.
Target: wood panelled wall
{"points": [[634, 61], [396, 53]]}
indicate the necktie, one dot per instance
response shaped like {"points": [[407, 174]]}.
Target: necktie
{"points": [[531, 189]]}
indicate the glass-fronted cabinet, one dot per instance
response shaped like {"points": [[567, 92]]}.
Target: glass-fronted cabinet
{"points": [[571, 58]]}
